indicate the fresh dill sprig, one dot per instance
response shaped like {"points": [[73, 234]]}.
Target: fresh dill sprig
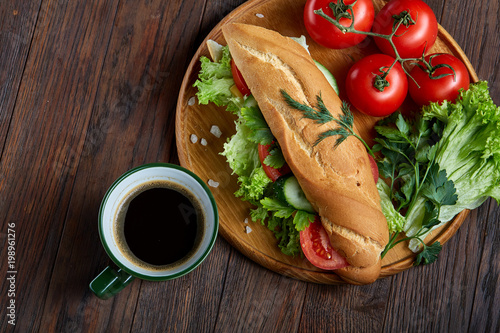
{"points": [[321, 115]]}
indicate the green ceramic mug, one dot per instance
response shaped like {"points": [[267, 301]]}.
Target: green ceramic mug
{"points": [[169, 245]]}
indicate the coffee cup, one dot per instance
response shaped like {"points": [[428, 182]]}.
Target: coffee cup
{"points": [[156, 222]]}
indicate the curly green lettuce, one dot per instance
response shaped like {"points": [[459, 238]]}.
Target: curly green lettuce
{"points": [[444, 161], [241, 151], [214, 82]]}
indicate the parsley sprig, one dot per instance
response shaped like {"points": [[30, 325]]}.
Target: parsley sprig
{"points": [[416, 179], [321, 115]]}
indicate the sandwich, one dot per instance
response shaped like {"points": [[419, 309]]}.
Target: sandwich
{"points": [[331, 169]]}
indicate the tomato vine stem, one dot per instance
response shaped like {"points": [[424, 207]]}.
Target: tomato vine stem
{"points": [[341, 10]]}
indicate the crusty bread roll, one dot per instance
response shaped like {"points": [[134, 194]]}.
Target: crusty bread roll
{"points": [[337, 181]]}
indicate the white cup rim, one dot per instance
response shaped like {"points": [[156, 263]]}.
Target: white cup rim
{"points": [[106, 222]]}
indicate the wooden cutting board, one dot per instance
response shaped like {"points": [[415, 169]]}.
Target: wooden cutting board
{"points": [[203, 156]]}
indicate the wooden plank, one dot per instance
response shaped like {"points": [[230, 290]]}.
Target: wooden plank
{"points": [[437, 297], [484, 316], [345, 308], [16, 32], [187, 304], [437, 7], [45, 139], [131, 124], [214, 12], [258, 300], [479, 40], [81, 115]]}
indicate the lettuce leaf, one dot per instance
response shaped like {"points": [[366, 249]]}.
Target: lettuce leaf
{"points": [[241, 151], [469, 148], [395, 220], [444, 161], [252, 187], [214, 83]]}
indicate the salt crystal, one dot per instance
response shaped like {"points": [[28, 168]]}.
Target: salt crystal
{"points": [[213, 183], [248, 229], [246, 220], [259, 15], [194, 138], [203, 142], [191, 101], [215, 130]]}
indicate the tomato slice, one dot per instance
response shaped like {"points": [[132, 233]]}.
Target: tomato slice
{"points": [[239, 80], [271, 172], [374, 168], [316, 246]]}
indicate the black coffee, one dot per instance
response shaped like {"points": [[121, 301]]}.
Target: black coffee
{"points": [[160, 224]]}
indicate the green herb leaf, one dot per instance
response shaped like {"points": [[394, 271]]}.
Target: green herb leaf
{"points": [[390, 133], [275, 158], [280, 209], [402, 125], [321, 116], [429, 254], [439, 189], [254, 120], [259, 214], [302, 219], [341, 132], [288, 236], [430, 216]]}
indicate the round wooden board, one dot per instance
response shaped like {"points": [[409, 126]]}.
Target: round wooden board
{"points": [[284, 16]]}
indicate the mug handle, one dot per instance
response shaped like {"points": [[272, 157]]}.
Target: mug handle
{"points": [[110, 282]]}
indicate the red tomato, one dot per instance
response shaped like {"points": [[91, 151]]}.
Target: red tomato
{"points": [[239, 80], [271, 172], [362, 92], [316, 246], [374, 167], [411, 40], [430, 87], [328, 35]]}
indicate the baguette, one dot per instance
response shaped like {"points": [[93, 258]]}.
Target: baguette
{"points": [[337, 181]]}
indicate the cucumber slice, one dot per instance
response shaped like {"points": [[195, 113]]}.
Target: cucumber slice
{"points": [[288, 189], [249, 102], [329, 76], [278, 188]]}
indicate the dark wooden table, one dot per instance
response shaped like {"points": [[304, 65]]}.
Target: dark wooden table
{"points": [[88, 90]]}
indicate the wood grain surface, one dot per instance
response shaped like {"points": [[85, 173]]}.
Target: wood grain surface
{"points": [[88, 90]]}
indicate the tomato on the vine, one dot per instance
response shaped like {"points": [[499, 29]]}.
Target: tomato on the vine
{"points": [[316, 246], [439, 82], [327, 34], [361, 85], [417, 32], [271, 172], [239, 81]]}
